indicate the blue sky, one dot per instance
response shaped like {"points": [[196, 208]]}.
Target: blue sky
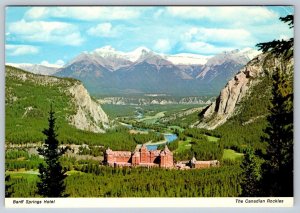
{"points": [[55, 35]]}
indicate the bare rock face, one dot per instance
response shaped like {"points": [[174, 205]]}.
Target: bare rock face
{"points": [[236, 89], [90, 115]]}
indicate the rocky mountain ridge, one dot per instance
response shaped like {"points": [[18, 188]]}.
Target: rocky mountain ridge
{"points": [[227, 103], [88, 115], [106, 71]]}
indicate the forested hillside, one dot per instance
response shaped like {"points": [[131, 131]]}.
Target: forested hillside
{"points": [[28, 99], [240, 116]]}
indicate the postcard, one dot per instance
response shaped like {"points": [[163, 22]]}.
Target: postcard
{"points": [[149, 106]]}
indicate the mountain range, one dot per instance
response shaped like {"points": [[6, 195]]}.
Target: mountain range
{"points": [[36, 68], [109, 72]]}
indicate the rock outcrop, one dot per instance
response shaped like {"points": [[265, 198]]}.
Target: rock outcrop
{"points": [[226, 105], [90, 115]]}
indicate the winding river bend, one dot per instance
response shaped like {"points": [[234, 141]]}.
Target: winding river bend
{"points": [[169, 137]]}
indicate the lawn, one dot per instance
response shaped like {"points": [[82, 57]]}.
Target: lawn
{"points": [[31, 176], [212, 138], [153, 119], [231, 154], [184, 145], [74, 172]]}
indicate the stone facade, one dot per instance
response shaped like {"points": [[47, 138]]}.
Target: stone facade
{"points": [[140, 157], [203, 164], [117, 157]]}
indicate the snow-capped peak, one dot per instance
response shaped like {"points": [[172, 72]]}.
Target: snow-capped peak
{"points": [[141, 49], [107, 51], [187, 59], [250, 53], [142, 52], [113, 59], [138, 53], [239, 56]]}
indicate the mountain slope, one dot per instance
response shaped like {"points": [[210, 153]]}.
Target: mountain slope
{"points": [[239, 114], [28, 98], [222, 67], [242, 87]]}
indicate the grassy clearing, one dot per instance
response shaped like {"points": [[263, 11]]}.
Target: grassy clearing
{"points": [[184, 145], [114, 111], [212, 138], [153, 119], [231, 154], [176, 127], [31, 177], [74, 172]]}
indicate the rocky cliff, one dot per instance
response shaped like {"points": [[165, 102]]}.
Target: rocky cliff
{"points": [[31, 94], [89, 115], [226, 105]]}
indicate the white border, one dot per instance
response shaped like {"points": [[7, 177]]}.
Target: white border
{"points": [[148, 202], [172, 209]]}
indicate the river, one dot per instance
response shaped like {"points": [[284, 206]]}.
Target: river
{"points": [[169, 137]]}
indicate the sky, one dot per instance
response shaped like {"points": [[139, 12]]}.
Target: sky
{"points": [[55, 35]]}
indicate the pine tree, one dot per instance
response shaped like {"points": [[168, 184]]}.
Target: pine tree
{"points": [[278, 168], [51, 173], [8, 186], [251, 175]]}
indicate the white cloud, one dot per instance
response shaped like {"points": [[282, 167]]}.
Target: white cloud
{"points": [[237, 14], [204, 48], [41, 31], [272, 31], [16, 50], [219, 35], [84, 13], [37, 12], [58, 63], [162, 45], [189, 12], [103, 30]]}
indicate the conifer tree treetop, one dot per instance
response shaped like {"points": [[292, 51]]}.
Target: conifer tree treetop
{"points": [[52, 174]]}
